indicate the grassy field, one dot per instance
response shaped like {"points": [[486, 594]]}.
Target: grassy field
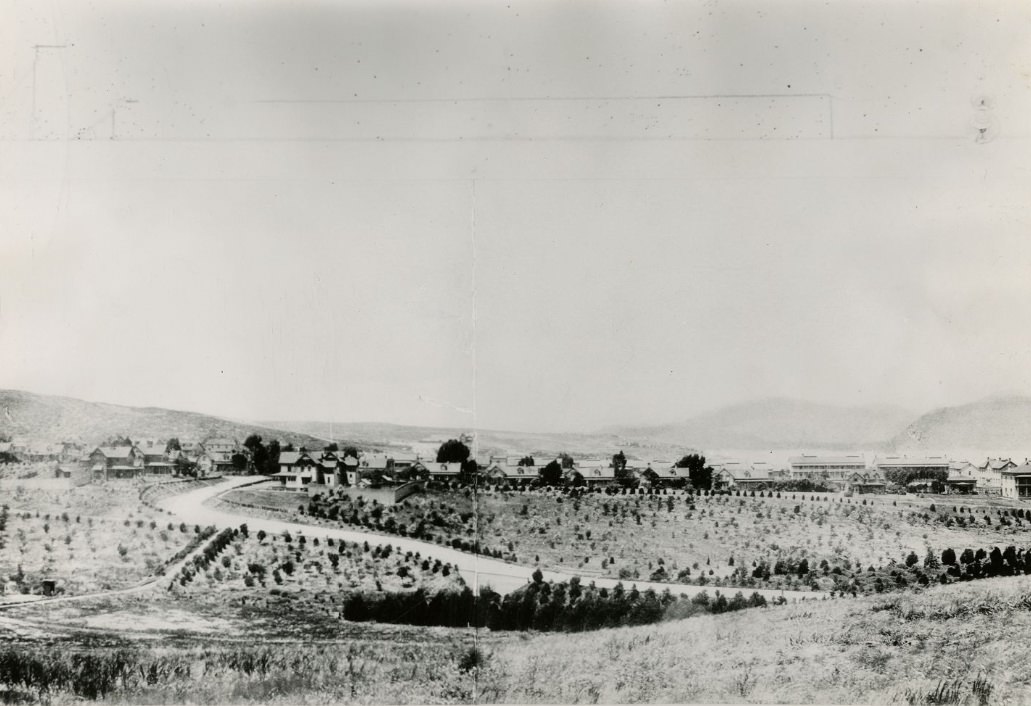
{"points": [[379, 666], [680, 538], [950, 644]]}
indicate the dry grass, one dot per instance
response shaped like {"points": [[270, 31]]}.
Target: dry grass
{"points": [[854, 651]]}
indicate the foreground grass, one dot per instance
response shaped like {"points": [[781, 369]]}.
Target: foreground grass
{"points": [[362, 671], [949, 644], [959, 644]]}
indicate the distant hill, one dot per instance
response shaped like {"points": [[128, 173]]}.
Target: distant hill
{"points": [[995, 424], [51, 418], [779, 423], [371, 435]]}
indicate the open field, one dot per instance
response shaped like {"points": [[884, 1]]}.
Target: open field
{"points": [[678, 537]]}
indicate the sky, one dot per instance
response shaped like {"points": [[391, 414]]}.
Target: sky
{"points": [[540, 216]]}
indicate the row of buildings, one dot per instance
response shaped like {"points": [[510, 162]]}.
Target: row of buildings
{"points": [[993, 476]]}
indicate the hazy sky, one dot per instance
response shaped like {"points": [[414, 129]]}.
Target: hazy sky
{"points": [[527, 215]]}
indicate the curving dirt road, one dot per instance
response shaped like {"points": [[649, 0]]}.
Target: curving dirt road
{"points": [[478, 571]]}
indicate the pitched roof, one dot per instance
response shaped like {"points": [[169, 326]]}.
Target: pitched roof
{"points": [[116, 451], [1022, 470], [289, 458], [746, 472]]}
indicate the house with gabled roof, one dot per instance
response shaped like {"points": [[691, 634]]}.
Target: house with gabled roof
{"points": [[297, 470], [961, 478], [108, 462], [155, 460], [221, 445], [739, 474], [1016, 481], [593, 471], [439, 470], [989, 475], [508, 469]]}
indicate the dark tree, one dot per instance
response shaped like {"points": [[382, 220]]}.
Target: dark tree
{"points": [[272, 459], [239, 461], [697, 471], [334, 447], [526, 461], [949, 557], [452, 451], [566, 460], [619, 461], [551, 474], [259, 453], [173, 445]]}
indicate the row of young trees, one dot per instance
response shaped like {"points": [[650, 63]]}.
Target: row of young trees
{"points": [[566, 606]]}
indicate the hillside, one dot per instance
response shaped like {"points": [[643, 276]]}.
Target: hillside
{"points": [[996, 424], [946, 645], [51, 418], [489, 441], [779, 423]]}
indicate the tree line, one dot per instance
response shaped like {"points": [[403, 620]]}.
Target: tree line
{"points": [[566, 606]]}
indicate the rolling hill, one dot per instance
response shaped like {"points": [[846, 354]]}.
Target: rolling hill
{"points": [[52, 418], [779, 423], [995, 425], [489, 441]]}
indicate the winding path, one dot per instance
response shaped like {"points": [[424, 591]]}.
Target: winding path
{"points": [[503, 577]]}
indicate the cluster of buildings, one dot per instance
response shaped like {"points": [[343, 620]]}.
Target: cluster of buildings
{"points": [[97, 463], [299, 469], [994, 476]]}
